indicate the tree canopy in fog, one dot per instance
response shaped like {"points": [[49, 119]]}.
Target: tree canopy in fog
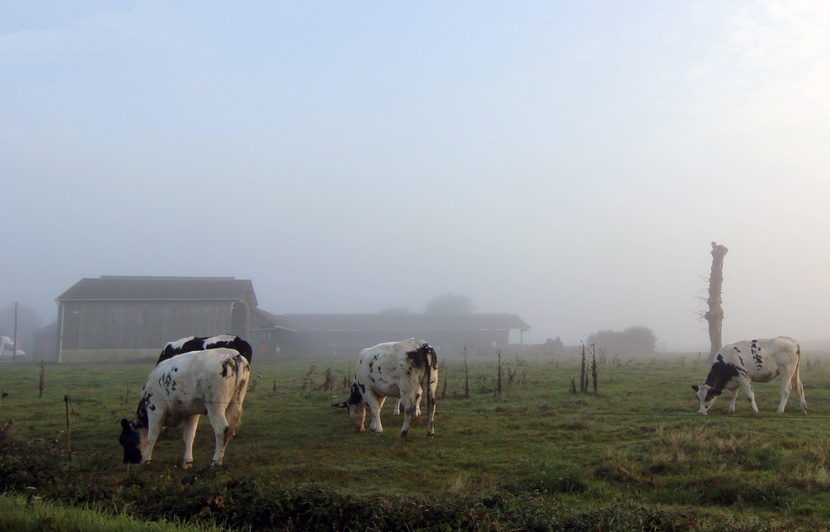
{"points": [[632, 341], [449, 304]]}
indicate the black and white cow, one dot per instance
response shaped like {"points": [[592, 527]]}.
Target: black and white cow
{"points": [[183, 388], [740, 364], [195, 343], [393, 369]]}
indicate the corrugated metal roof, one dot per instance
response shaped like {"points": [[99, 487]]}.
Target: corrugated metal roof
{"points": [[118, 288], [398, 322]]}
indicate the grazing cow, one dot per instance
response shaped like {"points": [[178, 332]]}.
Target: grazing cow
{"points": [[195, 343], [393, 369], [183, 388], [742, 363]]}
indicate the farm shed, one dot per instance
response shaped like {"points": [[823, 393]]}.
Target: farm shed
{"points": [[268, 332], [114, 318], [348, 333]]}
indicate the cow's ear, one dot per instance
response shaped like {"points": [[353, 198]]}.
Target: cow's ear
{"points": [[695, 387], [126, 425], [715, 392], [342, 404]]}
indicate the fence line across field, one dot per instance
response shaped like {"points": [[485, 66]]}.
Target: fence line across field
{"points": [[453, 408]]}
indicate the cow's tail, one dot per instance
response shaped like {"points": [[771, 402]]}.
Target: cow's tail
{"points": [[795, 381], [234, 412], [431, 390]]}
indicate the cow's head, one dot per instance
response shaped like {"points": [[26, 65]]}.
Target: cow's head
{"points": [[133, 440], [356, 406], [706, 396]]}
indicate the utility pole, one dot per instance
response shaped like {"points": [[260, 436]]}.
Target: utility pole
{"points": [[14, 340]]}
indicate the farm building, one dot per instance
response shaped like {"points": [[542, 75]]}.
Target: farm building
{"points": [[116, 318], [332, 334]]}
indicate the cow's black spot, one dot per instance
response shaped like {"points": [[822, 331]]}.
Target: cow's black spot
{"points": [[736, 349], [371, 366], [226, 364], [141, 419], [355, 397], [423, 357], [201, 343], [719, 376]]}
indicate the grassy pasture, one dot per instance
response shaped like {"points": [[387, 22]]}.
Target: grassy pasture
{"points": [[633, 456]]}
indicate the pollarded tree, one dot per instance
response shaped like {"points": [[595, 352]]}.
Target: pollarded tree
{"points": [[714, 316]]}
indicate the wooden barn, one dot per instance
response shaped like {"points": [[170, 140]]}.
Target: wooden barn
{"points": [[335, 334], [114, 318]]}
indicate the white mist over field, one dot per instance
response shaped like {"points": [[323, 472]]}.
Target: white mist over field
{"points": [[567, 162]]}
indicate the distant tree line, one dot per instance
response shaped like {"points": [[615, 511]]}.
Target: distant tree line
{"points": [[632, 341], [443, 304]]}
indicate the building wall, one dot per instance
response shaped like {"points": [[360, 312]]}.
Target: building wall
{"points": [[88, 356], [140, 325], [346, 343]]}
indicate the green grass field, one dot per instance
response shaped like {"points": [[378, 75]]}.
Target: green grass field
{"points": [[635, 455]]}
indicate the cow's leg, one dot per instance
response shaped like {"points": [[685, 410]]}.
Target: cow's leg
{"points": [[189, 434], [733, 398], [374, 403], [397, 410], [786, 387], [746, 384], [409, 405], [221, 432], [799, 389], [153, 432]]}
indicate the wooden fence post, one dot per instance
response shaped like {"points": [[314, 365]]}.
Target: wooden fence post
{"points": [[68, 440]]}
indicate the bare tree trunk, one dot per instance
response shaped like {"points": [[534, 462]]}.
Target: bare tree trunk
{"points": [[715, 313], [594, 371], [583, 374]]}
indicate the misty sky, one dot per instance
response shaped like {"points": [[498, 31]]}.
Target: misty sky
{"points": [[570, 162]]}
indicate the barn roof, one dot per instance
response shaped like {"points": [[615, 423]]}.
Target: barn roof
{"points": [[398, 322], [267, 320], [121, 288]]}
